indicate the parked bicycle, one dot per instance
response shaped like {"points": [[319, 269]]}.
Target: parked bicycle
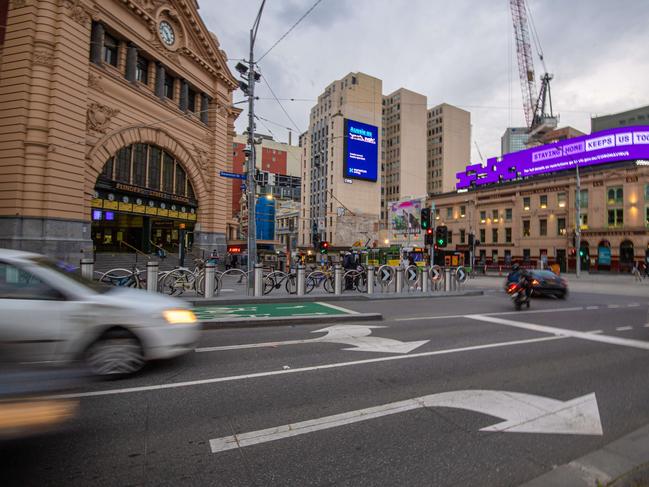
{"points": [[134, 278], [277, 279]]}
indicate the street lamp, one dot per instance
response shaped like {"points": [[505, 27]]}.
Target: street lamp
{"points": [[249, 89]]}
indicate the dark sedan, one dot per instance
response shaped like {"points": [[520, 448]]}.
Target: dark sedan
{"points": [[547, 283]]}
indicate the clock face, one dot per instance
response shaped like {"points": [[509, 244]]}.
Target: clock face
{"points": [[167, 33]]}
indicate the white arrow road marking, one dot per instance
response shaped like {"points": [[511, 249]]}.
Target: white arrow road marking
{"points": [[523, 413], [337, 308], [299, 306], [358, 336], [611, 340]]}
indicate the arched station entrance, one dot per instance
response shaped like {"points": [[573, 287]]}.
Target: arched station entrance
{"points": [[627, 256], [143, 198]]}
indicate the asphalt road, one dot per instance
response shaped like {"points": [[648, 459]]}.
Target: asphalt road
{"points": [[155, 428]]}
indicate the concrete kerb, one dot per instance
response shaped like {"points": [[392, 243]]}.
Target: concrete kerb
{"points": [[327, 298], [288, 320], [622, 463]]}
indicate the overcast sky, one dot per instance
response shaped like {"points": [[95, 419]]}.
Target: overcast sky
{"points": [[460, 52]]}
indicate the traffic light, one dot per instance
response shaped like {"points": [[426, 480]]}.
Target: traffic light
{"points": [[441, 236], [582, 252], [425, 218], [430, 239], [324, 247], [471, 239]]}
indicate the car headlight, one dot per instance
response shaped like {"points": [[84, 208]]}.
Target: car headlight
{"points": [[176, 316]]}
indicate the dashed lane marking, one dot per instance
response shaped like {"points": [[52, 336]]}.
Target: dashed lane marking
{"points": [[624, 328]]}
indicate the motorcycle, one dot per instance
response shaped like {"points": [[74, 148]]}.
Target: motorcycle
{"points": [[518, 294]]}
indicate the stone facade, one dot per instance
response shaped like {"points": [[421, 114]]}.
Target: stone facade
{"points": [[66, 108]]}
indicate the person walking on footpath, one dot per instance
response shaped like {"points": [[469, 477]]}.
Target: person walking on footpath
{"points": [[636, 273]]}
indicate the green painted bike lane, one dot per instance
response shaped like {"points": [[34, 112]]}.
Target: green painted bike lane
{"points": [[269, 310]]}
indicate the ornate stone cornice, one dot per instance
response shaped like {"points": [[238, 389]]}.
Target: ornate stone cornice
{"points": [[77, 12], [44, 58]]}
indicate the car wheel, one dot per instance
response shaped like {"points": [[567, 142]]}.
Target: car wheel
{"points": [[563, 295], [115, 355]]}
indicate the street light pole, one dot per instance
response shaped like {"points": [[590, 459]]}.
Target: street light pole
{"points": [[252, 159], [578, 224]]}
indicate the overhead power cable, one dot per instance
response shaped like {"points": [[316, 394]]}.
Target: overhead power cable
{"points": [[289, 30], [280, 104]]}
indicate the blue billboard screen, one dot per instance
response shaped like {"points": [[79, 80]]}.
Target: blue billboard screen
{"points": [[361, 151]]}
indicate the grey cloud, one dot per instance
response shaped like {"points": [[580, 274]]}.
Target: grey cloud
{"points": [[456, 52]]}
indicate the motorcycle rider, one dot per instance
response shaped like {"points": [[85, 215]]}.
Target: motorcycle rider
{"points": [[521, 276]]}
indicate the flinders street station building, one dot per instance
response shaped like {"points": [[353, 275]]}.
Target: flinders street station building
{"points": [[115, 119]]}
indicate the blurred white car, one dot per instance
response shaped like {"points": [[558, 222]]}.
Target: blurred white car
{"points": [[49, 314]]}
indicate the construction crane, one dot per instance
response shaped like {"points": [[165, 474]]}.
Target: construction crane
{"points": [[539, 120]]}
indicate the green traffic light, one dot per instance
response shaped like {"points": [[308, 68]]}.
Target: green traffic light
{"points": [[440, 241]]}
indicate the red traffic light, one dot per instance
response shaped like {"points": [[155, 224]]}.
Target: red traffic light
{"points": [[429, 231], [325, 244]]}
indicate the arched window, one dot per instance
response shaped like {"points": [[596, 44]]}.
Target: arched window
{"points": [[150, 167]]}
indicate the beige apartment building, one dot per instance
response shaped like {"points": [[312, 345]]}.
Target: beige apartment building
{"points": [[449, 146], [115, 120], [534, 220], [337, 208], [403, 149]]}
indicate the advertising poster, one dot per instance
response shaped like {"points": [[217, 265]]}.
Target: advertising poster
{"points": [[405, 219], [360, 151]]}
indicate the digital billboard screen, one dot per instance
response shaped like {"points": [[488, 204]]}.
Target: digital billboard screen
{"points": [[361, 151], [613, 145]]}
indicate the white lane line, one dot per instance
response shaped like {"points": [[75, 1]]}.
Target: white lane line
{"points": [[595, 331], [592, 307], [646, 325], [339, 308], [611, 340], [216, 380], [613, 306], [633, 305], [500, 313], [254, 345], [624, 328]]}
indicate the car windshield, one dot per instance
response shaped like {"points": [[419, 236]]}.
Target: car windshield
{"points": [[545, 274], [71, 272]]}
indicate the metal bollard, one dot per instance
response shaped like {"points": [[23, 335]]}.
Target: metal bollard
{"points": [[87, 268], [424, 280], [370, 279], [152, 276], [258, 282], [300, 280], [399, 288], [447, 279], [338, 279], [209, 279]]}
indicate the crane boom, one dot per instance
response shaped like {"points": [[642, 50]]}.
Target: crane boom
{"points": [[525, 61]]}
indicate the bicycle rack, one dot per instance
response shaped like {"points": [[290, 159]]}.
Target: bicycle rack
{"points": [[270, 278], [412, 284], [317, 274], [230, 272], [355, 276]]}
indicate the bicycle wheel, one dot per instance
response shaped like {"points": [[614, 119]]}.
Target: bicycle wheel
{"points": [[177, 282], [360, 283], [116, 277], [269, 284], [329, 284], [309, 284], [291, 284]]}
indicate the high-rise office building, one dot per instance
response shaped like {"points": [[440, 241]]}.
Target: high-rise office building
{"points": [[449, 146], [341, 189], [403, 148], [513, 140]]}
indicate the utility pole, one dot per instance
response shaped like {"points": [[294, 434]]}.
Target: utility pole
{"points": [[433, 214], [578, 224], [252, 159]]}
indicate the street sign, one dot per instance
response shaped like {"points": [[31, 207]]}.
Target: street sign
{"points": [[461, 275], [386, 275], [436, 273], [243, 186], [411, 273], [521, 413], [231, 175]]}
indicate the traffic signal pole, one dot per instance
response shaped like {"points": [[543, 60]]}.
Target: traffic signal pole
{"points": [[578, 224], [431, 251]]}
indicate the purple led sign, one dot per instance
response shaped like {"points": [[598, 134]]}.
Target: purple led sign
{"points": [[622, 144]]}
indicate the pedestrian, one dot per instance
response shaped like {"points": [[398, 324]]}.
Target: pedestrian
{"points": [[411, 260], [404, 260], [636, 272], [235, 261], [228, 261]]}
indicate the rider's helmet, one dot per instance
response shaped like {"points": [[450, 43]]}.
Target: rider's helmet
{"points": [[515, 268]]}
